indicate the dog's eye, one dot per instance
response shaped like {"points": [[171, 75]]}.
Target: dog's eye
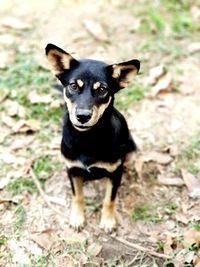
{"points": [[102, 91], [73, 86]]}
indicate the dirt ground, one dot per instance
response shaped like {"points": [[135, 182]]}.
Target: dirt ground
{"points": [[158, 203]]}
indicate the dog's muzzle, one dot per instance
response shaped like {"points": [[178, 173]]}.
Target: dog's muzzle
{"points": [[83, 115]]}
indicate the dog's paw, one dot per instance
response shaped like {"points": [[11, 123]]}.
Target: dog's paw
{"points": [[108, 223], [77, 220]]}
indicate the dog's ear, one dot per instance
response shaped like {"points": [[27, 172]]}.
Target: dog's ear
{"points": [[124, 72], [60, 61]]}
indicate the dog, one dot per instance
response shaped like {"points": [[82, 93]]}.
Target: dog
{"points": [[96, 139]]}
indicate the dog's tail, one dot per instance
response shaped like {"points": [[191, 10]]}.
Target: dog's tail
{"points": [[58, 87]]}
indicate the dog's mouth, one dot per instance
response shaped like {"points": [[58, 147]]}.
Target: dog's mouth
{"points": [[81, 127]]}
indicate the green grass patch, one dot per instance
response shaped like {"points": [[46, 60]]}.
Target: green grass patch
{"points": [[20, 216], [45, 114], [170, 208], [188, 156], [21, 185], [18, 79], [44, 166], [3, 240], [172, 16], [196, 226], [125, 97], [146, 214], [26, 74]]}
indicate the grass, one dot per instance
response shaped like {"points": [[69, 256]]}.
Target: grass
{"points": [[163, 24], [25, 75], [20, 216], [43, 168], [188, 156], [150, 214], [126, 97], [171, 17], [170, 208], [21, 185], [196, 226], [146, 214]]}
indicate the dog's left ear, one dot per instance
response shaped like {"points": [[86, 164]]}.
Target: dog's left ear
{"points": [[60, 61], [124, 72]]}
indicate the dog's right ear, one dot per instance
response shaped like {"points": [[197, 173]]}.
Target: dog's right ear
{"points": [[60, 61]]}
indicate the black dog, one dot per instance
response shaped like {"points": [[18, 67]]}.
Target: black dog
{"points": [[95, 138]]}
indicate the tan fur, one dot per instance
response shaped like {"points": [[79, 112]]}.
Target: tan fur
{"points": [[77, 210], [97, 112], [110, 167], [74, 163], [80, 83], [129, 76], [108, 217], [58, 61], [96, 85]]}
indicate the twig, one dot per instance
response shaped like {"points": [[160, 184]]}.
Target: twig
{"points": [[140, 248], [133, 260], [45, 198]]}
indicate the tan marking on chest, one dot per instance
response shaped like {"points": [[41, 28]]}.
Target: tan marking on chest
{"points": [[110, 167], [74, 163]]}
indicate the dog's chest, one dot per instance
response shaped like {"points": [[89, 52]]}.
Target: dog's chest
{"points": [[109, 167]]}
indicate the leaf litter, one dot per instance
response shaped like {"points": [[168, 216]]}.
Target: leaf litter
{"points": [[150, 180]]}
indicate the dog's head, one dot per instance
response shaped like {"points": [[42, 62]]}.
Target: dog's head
{"points": [[89, 85]]}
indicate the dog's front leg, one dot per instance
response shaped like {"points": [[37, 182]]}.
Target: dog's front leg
{"points": [[77, 209], [108, 218]]}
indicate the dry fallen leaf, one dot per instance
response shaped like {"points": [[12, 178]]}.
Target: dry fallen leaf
{"points": [[26, 125], [162, 179], [195, 12], [180, 217], [55, 104], [7, 39], [160, 158], [192, 183], [21, 142], [8, 121], [164, 86], [5, 59], [35, 98], [155, 73], [168, 245], [94, 249], [193, 47], [13, 109], [190, 237], [14, 23], [154, 157], [95, 29], [45, 238], [8, 158]]}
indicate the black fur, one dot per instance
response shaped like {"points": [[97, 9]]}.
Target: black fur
{"points": [[108, 140]]}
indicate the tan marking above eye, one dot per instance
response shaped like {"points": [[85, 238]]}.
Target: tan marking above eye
{"points": [[96, 85], [80, 83]]}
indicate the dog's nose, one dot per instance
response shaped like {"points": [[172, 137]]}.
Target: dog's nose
{"points": [[83, 115]]}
